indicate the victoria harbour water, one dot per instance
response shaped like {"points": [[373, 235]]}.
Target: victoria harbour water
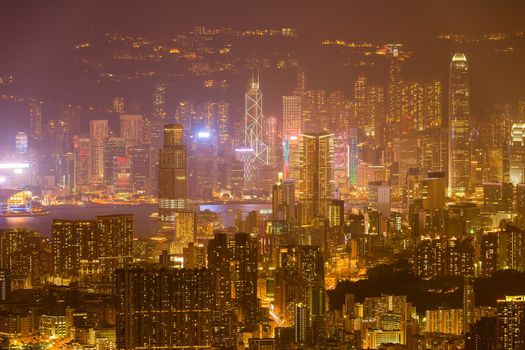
{"points": [[145, 226]]}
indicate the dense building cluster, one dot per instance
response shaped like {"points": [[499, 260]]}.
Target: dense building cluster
{"points": [[391, 211]]}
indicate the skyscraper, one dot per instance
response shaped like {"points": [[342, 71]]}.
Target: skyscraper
{"points": [[253, 123], [116, 238], [82, 162], [292, 116], [316, 173], [517, 154], [459, 124], [283, 200], [394, 97], [72, 241], [35, 123], [131, 129], [468, 303], [172, 173], [98, 135], [510, 323], [159, 101], [162, 308]]}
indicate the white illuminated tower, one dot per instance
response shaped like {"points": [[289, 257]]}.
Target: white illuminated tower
{"points": [[253, 123], [459, 152]]}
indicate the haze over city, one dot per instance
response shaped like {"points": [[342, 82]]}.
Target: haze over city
{"points": [[272, 175]]}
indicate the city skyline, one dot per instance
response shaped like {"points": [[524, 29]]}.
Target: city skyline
{"points": [[262, 176]]}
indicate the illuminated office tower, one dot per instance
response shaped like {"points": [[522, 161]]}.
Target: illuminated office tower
{"points": [[379, 197], [412, 106], [498, 197], [172, 173], [301, 82], [202, 166], [271, 138], [315, 113], [394, 97], [360, 114], [337, 113], [340, 164], [433, 104], [433, 149], [122, 177], [21, 144], [316, 173], [162, 308], [115, 147], [253, 124], [98, 135], [459, 127], [501, 125], [520, 199], [292, 116], [510, 323], [118, 105], [521, 111], [131, 129], [35, 123], [353, 155], [433, 192], [82, 163], [218, 120], [159, 101], [283, 199], [57, 141], [376, 112], [517, 154], [72, 241]]}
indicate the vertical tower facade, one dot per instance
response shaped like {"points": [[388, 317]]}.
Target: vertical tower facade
{"points": [[459, 127], [160, 308], [317, 173], [172, 173], [292, 116], [510, 323], [98, 133], [253, 123]]}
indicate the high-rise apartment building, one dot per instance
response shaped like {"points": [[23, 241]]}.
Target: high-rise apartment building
{"points": [[72, 241], [459, 127], [510, 323], [162, 308]]}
